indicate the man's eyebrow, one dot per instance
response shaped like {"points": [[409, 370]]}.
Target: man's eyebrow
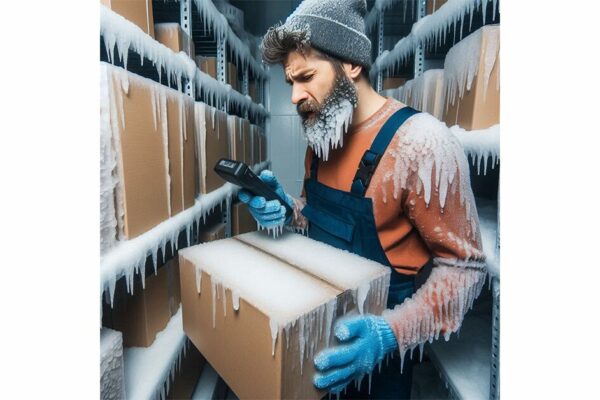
{"points": [[299, 73]]}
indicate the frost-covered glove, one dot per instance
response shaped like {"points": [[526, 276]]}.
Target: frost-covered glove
{"points": [[270, 213], [367, 339]]}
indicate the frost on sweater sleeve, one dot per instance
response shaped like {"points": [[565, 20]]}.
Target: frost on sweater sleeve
{"points": [[437, 198]]}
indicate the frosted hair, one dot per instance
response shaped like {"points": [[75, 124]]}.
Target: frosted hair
{"points": [[279, 41]]}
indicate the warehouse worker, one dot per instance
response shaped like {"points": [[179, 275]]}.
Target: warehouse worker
{"points": [[383, 181]]}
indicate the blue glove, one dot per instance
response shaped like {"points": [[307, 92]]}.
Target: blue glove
{"points": [[270, 213], [338, 366]]}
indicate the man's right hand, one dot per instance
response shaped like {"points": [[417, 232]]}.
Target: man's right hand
{"points": [[268, 214]]}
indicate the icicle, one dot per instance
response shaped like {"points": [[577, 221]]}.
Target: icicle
{"points": [[421, 349], [224, 301], [213, 289], [363, 291], [301, 341], [235, 299], [274, 332]]}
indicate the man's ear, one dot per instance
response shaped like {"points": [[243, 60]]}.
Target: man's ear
{"points": [[352, 70]]}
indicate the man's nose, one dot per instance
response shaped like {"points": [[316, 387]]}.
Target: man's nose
{"points": [[298, 93]]}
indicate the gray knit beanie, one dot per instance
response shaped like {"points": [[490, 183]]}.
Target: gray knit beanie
{"points": [[336, 27]]}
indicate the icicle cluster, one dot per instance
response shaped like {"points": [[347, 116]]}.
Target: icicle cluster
{"points": [[482, 145], [428, 157], [462, 62], [216, 22], [431, 31], [116, 30], [426, 92], [438, 307]]}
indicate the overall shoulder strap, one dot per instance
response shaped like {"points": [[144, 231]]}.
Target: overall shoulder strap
{"points": [[372, 156]]}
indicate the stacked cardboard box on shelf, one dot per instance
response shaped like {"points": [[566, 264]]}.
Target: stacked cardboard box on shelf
{"points": [[232, 76], [479, 106], [213, 233], [213, 144], [393, 82], [137, 11], [208, 65], [241, 219], [241, 296], [175, 38], [141, 315], [434, 5], [240, 145], [152, 130]]}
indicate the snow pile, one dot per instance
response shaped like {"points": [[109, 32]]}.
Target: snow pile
{"points": [[481, 145], [431, 30], [438, 307], [112, 378], [462, 62], [290, 295], [149, 371]]}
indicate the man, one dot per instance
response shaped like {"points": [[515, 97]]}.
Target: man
{"points": [[383, 181]]}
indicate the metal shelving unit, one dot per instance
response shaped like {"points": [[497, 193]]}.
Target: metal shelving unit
{"points": [[477, 347]]}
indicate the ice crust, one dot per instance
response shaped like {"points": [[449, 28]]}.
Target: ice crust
{"points": [[482, 145], [304, 294], [112, 378], [461, 65], [438, 307], [116, 30], [426, 89], [149, 371], [121, 257], [430, 31]]}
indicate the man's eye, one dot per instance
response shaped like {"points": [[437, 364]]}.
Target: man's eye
{"points": [[305, 78]]}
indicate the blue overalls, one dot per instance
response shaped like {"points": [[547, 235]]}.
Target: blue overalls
{"points": [[345, 220]]}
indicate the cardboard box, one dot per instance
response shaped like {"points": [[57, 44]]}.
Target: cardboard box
{"points": [[252, 92], [188, 375], [212, 143], [263, 147], [236, 139], [216, 232], [434, 5], [208, 65], [140, 147], [255, 134], [232, 76], [241, 219], [477, 108], [246, 141], [137, 11], [145, 313], [182, 150], [242, 295], [393, 82], [174, 37]]}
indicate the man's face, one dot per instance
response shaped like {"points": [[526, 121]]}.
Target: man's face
{"points": [[324, 98]]}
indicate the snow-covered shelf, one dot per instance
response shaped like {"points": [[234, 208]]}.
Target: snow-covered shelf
{"points": [[464, 361], [430, 28], [482, 145], [217, 22], [116, 30], [488, 223], [129, 256], [150, 370]]}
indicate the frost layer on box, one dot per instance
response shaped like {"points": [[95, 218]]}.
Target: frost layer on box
{"points": [[112, 385], [299, 294]]}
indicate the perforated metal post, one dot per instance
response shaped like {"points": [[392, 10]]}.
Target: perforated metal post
{"points": [[221, 62], [226, 216], [495, 359], [245, 86], [185, 16], [419, 51], [380, 27]]}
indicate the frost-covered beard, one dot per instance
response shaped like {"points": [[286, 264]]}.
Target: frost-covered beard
{"points": [[325, 128]]}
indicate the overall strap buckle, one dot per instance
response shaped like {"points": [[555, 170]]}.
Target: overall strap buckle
{"points": [[367, 166]]}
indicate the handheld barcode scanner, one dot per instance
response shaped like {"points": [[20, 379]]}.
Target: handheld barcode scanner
{"points": [[240, 174]]}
